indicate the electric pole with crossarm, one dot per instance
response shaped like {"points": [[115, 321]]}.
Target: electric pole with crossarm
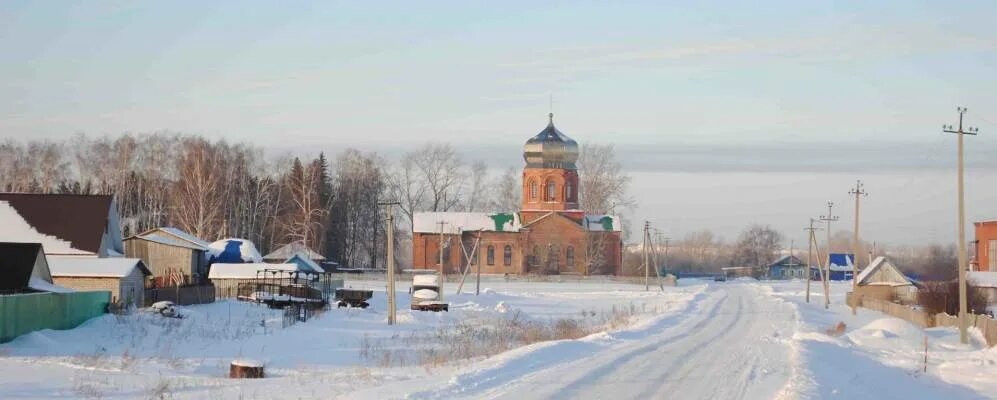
{"points": [[963, 322], [829, 218], [859, 192], [812, 242]]}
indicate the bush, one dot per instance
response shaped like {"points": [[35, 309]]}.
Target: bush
{"points": [[943, 296]]}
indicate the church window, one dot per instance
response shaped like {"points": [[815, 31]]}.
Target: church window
{"points": [[533, 190], [551, 191], [568, 192], [569, 256], [507, 255], [491, 255], [536, 256]]}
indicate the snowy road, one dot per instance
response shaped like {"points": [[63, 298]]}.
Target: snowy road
{"points": [[731, 347]]}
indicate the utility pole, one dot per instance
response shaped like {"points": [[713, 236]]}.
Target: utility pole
{"points": [[390, 260], [827, 265], [858, 192], [443, 277], [811, 241], [963, 322], [792, 256], [646, 239]]}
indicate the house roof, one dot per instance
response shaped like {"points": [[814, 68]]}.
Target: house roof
{"points": [[881, 262], [982, 279], [457, 222], [603, 223], [172, 237], [233, 250], [246, 271], [291, 249], [15, 229], [115, 267], [303, 261], [783, 259], [17, 262], [78, 219]]}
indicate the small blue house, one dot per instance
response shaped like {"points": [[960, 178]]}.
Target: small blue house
{"points": [[786, 267], [841, 268]]}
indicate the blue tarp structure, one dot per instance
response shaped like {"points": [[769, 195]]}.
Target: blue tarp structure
{"points": [[841, 268]]}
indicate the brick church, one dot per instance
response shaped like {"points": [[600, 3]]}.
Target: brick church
{"points": [[550, 234]]}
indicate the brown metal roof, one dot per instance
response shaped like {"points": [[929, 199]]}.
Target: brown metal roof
{"points": [[79, 219], [17, 260]]}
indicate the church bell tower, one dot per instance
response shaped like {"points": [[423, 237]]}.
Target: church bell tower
{"points": [[550, 179]]}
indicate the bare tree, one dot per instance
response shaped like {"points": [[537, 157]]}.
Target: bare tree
{"points": [[197, 203], [303, 213], [476, 196], [506, 191], [756, 246], [429, 178], [604, 185]]}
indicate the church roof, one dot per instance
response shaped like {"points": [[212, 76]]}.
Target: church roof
{"points": [[550, 149], [457, 222]]}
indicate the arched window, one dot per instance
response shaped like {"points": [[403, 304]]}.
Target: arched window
{"points": [[507, 255], [569, 256], [491, 255], [474, 256], [533, 190], [568, 191], [551, 191], [536, 256]]}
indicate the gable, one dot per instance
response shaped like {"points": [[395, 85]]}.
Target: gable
{"points": [[553, 222], [19, 262], [882, 272], [80, 220]]}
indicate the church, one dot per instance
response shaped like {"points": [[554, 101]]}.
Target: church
{"points": [[550, 234]]}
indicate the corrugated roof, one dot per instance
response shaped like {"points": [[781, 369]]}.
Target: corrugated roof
{"points": [[115, 267], [17, 264], [78, 219], [15, 228], [187, 237], [289, 250]]}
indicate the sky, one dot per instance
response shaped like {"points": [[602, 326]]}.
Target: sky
{"points": [[744, 92]]}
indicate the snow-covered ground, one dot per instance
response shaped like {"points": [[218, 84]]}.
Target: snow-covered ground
{"points": [[743, 339]]}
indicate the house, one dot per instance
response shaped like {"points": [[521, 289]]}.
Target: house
{"points": [[787, 267], [175, 257], [985, 281], [233, 250], [292, 249], [123, 277], [882, 280], [840, 268], [65, 224], [24, 269], [986, 245]]}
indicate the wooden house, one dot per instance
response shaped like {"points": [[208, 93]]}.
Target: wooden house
{"points": [[174, 257], [123, 277], [787, 267], [882, 280]]}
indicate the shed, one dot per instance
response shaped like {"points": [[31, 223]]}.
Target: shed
{"points": [[24, 269], [123, 277], [174, 257], [882, 280], [985, 282]]}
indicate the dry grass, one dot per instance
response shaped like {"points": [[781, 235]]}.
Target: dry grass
{"points": [[484, 337]]}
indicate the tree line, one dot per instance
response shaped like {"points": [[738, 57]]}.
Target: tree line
{"points": [[218, 189]]}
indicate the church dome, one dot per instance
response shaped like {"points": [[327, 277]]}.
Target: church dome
{"points": [[550, 149]]}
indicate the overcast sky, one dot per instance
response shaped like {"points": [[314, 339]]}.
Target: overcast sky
{"points": [[690, 87]]}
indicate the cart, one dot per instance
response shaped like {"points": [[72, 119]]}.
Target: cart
{"points": [[353, 298]]}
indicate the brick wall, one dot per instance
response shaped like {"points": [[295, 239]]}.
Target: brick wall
{"points": [[986, 232]]}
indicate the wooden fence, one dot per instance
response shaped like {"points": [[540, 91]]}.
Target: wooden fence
{"points": [[986, 325]]}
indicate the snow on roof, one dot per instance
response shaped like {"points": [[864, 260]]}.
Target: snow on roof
{"points": [[62, 266], [603, 223], [232, 249], [457, 222], [303, 260], [42, 286], [877, 264], [169, 241], [982, 278], [425, 280], [290, 250], [185, 236], [245, 270], [15, 229]]}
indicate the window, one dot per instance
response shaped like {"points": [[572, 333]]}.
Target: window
{"points": [[569, 256], [992, 255], [533, 190], [551, 191], [474, 256], [491, 255], [554, 257], [535, 259], [568, 195], [507, 255]]}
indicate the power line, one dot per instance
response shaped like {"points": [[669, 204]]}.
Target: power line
{"points": [[963, 322], [828, 219], [858, 192]]}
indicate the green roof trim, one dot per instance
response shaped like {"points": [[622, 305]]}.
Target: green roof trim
{"points": [[501, 219], [607, 223]]}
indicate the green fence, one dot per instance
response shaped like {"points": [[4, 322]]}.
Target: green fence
{"points": [[23, 313]]}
